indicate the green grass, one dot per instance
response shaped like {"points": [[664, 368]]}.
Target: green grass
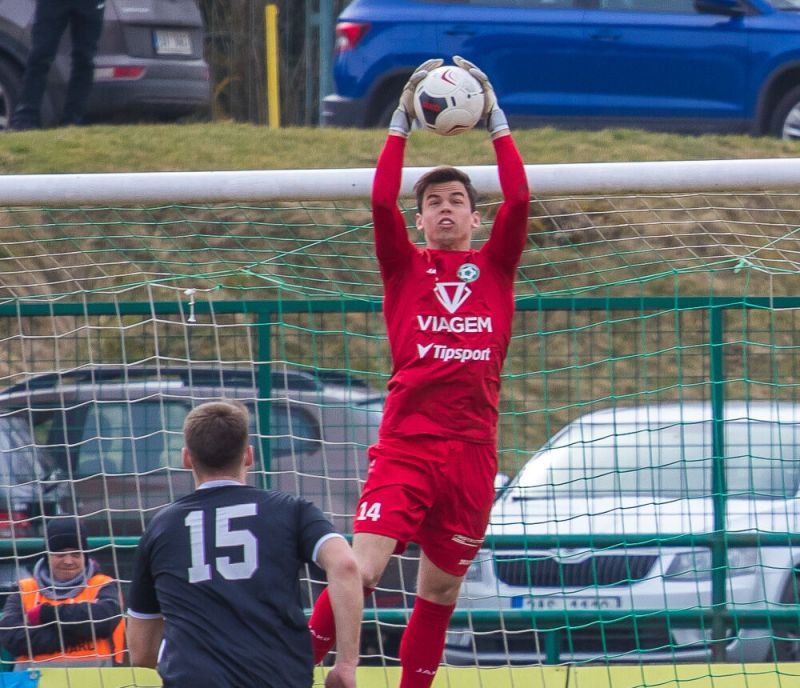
{"points": [[229, 146]]}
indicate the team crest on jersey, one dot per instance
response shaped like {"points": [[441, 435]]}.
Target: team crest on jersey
{"points": [[452, 295], [468, 272]]}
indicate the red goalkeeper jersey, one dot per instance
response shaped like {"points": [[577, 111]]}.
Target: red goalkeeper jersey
{"points": [[448, 313]]}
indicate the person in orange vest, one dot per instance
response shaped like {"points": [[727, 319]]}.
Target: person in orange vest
{"points": [[67, 613]]}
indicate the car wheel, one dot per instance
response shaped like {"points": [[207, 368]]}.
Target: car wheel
{"points": [[787, 649], [10, 83], [386, 110], [786, 117], [390, 94]]}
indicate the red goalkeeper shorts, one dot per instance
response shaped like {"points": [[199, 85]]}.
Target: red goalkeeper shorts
{"points": [[433, 491]]}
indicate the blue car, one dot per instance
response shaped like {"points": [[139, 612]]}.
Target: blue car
{"points": [[672, 65]]}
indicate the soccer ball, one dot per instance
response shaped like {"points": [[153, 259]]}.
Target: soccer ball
{"points": [[448, 101]]}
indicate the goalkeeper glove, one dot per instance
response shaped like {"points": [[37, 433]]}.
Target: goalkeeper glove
{"points": [[404, 114], [496, 121]]}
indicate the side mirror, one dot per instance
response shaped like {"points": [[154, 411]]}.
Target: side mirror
{"points": [[501, 481], [727, 8]]}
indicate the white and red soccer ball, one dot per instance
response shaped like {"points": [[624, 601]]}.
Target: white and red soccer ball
{"points": [[448, 101]]}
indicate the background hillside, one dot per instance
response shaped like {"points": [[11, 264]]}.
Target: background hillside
{"points": [[229, 146]]}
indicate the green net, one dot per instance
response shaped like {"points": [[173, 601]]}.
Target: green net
{"points": [[664, 535], [627, 245]]}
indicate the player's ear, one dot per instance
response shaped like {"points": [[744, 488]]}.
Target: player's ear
{"points": [[186, 458], [248, 456], [475, 219], [418, 221]]}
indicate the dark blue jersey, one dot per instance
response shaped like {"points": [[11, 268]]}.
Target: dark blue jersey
{"points": [[221, 566]]}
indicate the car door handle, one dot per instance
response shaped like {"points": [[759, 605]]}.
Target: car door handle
{"points": [[605, 36], [459, 32]]}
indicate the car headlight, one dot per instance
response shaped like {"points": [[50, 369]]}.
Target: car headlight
{"points": [[696, 565], [459, 638], [475, 571]]}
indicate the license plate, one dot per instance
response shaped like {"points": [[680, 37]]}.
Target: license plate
{"points": [[172, 42], [563, 602]]}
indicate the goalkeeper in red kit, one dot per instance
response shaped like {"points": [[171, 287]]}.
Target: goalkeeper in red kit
{"points": [[448, 310]]}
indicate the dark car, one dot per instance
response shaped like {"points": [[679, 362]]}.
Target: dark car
{"points": [[114, 436], [676, 65], [149, 61], [111, 439]]}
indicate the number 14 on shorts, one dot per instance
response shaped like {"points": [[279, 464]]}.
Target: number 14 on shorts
{"points": [[367, 511]]}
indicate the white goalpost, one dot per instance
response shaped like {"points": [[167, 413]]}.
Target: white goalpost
{"points": [[333, 184]]}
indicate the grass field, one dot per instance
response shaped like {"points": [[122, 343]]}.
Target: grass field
{"points": [[646, 676], [228, 146]]}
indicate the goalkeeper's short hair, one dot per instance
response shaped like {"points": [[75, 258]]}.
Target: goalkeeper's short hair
{"points": [[442, 175]]}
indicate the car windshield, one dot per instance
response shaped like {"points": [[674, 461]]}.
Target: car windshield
{"points": [[670, 460], [790, 5], [142, 436]]}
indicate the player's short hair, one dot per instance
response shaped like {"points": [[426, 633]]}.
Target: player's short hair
{"points": [[441, 175], [216, 434]]}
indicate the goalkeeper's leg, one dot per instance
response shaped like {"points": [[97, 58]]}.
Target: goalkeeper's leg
{"points": [[423, 641], [399, 494], [322, 626], [372, 553]]}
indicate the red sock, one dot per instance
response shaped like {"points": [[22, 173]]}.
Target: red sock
{"points": [[323, 627], [423, 643]]}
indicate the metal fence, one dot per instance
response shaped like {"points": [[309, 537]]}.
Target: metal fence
{"points": [[235, 50], [722, 334]]}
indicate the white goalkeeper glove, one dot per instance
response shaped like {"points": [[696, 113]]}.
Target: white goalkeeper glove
{"points": [[404, 114], [496, 121]]}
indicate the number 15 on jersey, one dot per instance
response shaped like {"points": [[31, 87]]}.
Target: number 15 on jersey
{"points": [[225, 535]]}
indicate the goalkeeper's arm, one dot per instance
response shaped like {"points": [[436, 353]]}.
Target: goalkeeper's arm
{"points": [[510, 227]]}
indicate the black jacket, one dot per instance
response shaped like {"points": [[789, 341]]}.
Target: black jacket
{"points": [[62, 626]]}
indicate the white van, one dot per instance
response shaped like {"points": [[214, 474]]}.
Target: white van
{"points": [[628, 473]]}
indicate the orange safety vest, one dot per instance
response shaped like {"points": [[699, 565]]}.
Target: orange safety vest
{"points": [[102, 648]]}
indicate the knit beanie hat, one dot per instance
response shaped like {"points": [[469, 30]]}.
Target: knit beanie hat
{"points": [[66, 533]]}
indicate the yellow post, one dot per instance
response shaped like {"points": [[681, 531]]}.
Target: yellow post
{"points": [[273, 87]]}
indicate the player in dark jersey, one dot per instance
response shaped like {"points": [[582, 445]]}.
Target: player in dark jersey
{"points": [[216, 574], [448, 311]]}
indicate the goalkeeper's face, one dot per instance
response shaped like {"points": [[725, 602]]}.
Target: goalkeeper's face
{"points": [[447, 220]]}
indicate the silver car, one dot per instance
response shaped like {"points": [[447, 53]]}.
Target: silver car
{"points": [[646, 473], [114, 436], [149, 61]]}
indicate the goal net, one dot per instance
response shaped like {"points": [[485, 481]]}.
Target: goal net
{"points": [[650, 416]]}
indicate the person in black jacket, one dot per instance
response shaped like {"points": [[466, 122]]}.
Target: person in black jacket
{"points": [[85, 21], [67, 613]]}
